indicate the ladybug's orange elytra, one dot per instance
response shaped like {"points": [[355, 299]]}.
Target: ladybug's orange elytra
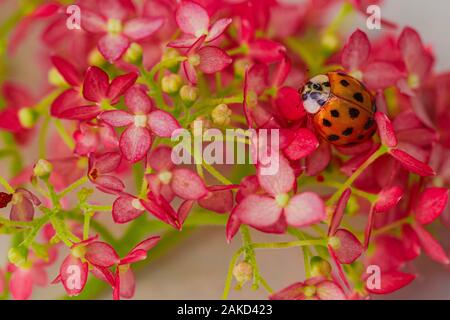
{"points": [[341, 107]]}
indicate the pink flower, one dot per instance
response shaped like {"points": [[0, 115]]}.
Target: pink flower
{"points": [[276, 209], [124, 281], [389, 139], [98, 93], [95, 138], [356, 59], [209, 59], [194, 22], [142, 121], [23, 280], [22, 204], [312, 289], [100, 172], [116, 28], [87, 255]]}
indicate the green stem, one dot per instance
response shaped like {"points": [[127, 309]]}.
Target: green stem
{"points": [[64, 135], [73, 186], [100, 208], [229, 278], [86, 224], [393, 225], [42, 137], [6, 185], [291, 244]]}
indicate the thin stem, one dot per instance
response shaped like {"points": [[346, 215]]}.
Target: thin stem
{"points": [[381, 151], [393, 225], [216, 174], [291, 244], [42, 137], [73, 186], [64, 135], [6, 185], [100, 208], [229, 279], [86, 224]]}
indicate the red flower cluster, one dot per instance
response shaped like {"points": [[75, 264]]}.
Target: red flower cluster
{"points": [[136, 73]]}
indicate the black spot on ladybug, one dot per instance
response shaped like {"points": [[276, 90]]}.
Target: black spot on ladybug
{"points": [[304, 96], [347, 132], [326, 123], [327, 84], [358, 97], [353, 113], [370, 122], [333, 138], [321, 102], [361, 137], [334, 113], [345, 83], [317, 87]]}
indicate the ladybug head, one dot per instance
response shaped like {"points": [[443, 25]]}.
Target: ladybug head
{"points": [[315, 93]]}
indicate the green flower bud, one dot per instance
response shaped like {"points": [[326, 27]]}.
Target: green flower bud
{"points": [[221, 115], [134, 54], [171, 84], [243, 272], [42, 169], [27, 117], [18, 256], [320, 267], [239, 66], [188, 93]]}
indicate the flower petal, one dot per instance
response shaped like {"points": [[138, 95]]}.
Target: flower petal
{"points": [[318, 160], [135, 143], [431, 204], [279, 183], [381, 75], [356, 52], [101, 254], [160, 159], [162, 123], [73, 273], [218, 28], [117, 118], [92, 22], [138, 101], [329, 290], [386, 130], [127, 284], [388, 198], [339, 211], [289, 105], [107, 162], [432, 248], [305, 209], [126, 208], [213, 59], [350, 248], [67, 71], [141, 28], [218, 201], [391, 281], [113, 46], [21, 284], [96, 84], [258, 211], [266, 51], [412, 164], [303, 144], [192, 18], [187, 185], [120, 85], [109, 184], [293, 292]]}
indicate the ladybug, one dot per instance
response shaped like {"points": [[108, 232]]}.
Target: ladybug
{"points": [[341, 107]]}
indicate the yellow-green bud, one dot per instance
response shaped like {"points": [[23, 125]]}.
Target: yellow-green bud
{"points": [[95, 58], [330, 41], [56, 79], [134, 54], [243, 272], [169, 54], [320, 267], [42, 168], [27, 117], [221, 115], [18, 256], [171, 84], [239, 66], [188, 93], [334, 243]]}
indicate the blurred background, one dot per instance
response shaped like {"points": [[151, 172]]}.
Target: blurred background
{"points": [[196, 268]]}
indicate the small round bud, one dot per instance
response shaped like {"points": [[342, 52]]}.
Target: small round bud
{"points": [[320, 267], [243, 272], [330, 41], [42, 168], [134, 54], [309, 291], [78, 252], [334, 242], [188, 93], [56, 79], [18, 256], [221, 115], [239, 66], [194, 60], [171, 84], [27, 118], [169, 54]]}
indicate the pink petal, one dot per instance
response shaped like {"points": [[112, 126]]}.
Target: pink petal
{"points": [[103, 274], [328, 290], [123, 210], [386, 130], [293, 292], [161, 210], [388, 198], [134, 256], [67, 71], [392, 281], [249, 185], [289, 104], [350, 248], [117, 118], [160, 159], [187, 185], [93, 22], [305, 209], [135, 143], [412, 164], [162, 123], [356, 52], [256, 79], [120, 85], [279, 183], [266, 51], [107, 162], [339, 211], [381, 75], [189, 72], [109, 184], [73, 274], [127, 284], [431, 204], [96, 84], [192, 18], [218, 201], [304, 144], [147, 244], [67, 100], [213, 59], [138, 101], [116, 9], [218, 28], [81, 113], [185, 41], [411, 243], [258, 211], [22, 211], [113, 46], [432, 248], [141, 28], [21, 284], [233, 225], [101, 254], [318, 160]]}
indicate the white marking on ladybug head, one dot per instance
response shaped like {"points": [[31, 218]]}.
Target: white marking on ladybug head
{"points": [[316, 93]]}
